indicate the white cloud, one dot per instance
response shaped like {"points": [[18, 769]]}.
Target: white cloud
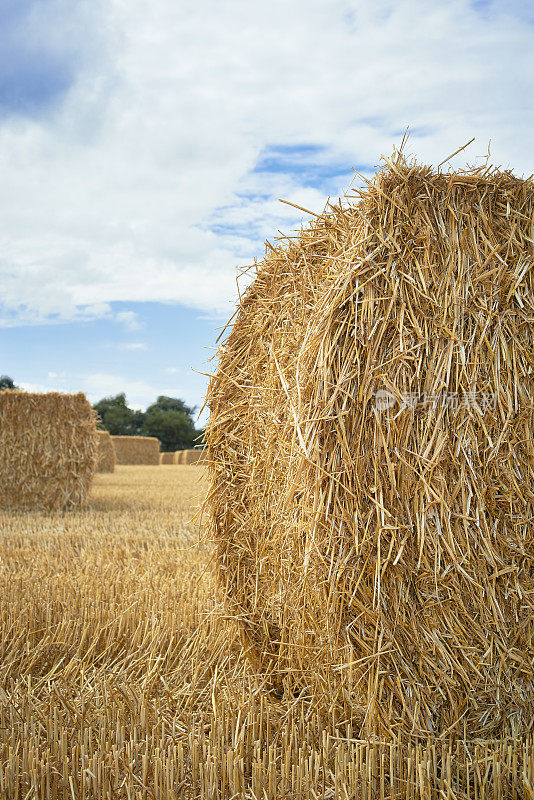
{"points": [[36, 388], [129, 319], [100, 384], [140, 346], [28, 310], [129, 346], [139, 393], [141, 185]]}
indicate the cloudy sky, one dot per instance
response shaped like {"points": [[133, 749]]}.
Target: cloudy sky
{"points": [[144, 146]]}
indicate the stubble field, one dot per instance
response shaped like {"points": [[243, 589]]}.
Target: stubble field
{"points": [[121, 675]]}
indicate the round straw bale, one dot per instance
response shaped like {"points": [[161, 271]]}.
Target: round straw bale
{"points": [[178, 457], [166, 458], [371, 457], [48, 448], [136, 450], [106, 453]]}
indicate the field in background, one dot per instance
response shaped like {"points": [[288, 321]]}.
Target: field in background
{"points": [[120, 676]]}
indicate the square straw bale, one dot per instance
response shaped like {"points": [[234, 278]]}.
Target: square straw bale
{"points": [[48, 448], [193, 456], [106, 458], [136, 450]]}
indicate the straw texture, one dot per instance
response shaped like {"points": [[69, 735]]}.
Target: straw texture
{"points": [[178, 457], [105, 453], [370, 450], [48, 447], [136, 450], [166, 458]]}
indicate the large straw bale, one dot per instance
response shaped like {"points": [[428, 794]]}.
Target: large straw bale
{"points": [[137, 450], [106, 458], [166, 458], [48, 447], [179, 457], [371, 456]]}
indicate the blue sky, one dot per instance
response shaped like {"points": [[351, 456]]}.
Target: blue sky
{"points": [[44, 44], [143, 150], [158, 345]]}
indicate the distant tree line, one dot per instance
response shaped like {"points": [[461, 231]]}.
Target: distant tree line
{"points": [[7, 383], [168, 419]]}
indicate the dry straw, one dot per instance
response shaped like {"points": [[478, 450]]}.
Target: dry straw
{"points": [[178, 457], [106, 459], [192, 456], [166, 458], [136, 450], [371, 456], [48, 449]]}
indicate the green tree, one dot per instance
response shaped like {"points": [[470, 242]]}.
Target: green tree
{"points": [[117, 417], [7, 383], [170, 420], [164, 403]]}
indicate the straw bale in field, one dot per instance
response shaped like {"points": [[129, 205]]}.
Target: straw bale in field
{"points": [[105, 461], [136, 450], [178, 457], [48, 447], [192, 456], [371, 456], [166, 458]]}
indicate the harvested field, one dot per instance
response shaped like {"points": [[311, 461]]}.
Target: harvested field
{"points": [[371, 451], [136, 450], [106, 459], [48, 448], [122, 676], [166, 458]]}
